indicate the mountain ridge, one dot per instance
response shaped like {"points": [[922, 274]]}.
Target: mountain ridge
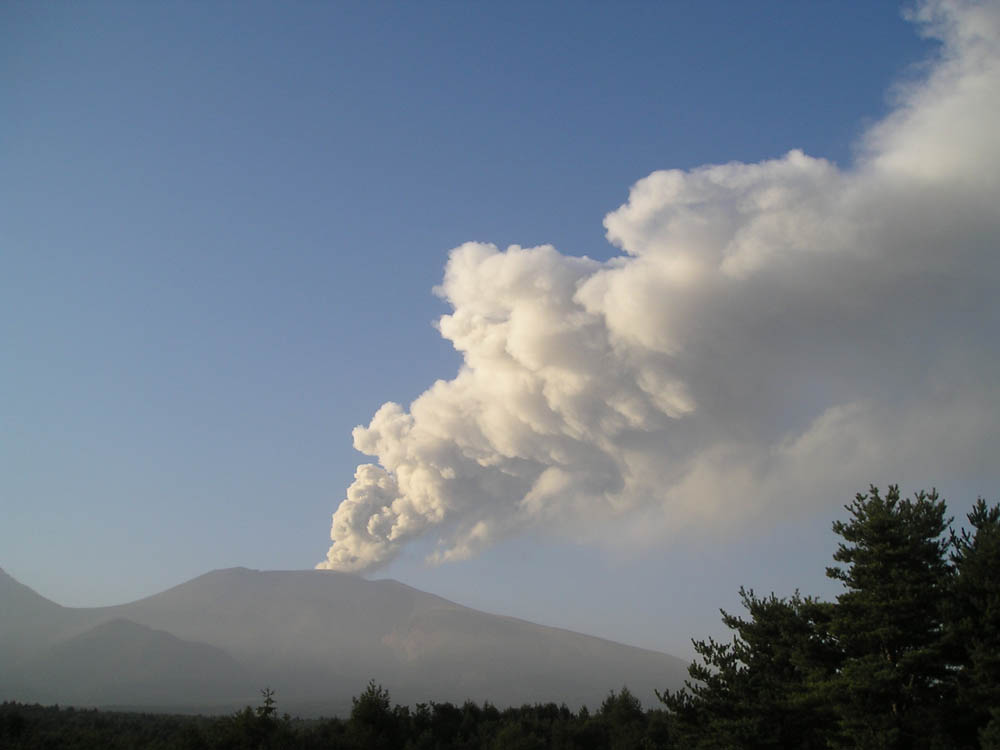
{"points": [[316, 637]]}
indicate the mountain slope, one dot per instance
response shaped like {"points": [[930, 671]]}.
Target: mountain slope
{"points": [[317, 637], [30, 623], [120, 662]]}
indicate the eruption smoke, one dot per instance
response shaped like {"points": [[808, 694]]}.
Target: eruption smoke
{"points": [[774, 335]]}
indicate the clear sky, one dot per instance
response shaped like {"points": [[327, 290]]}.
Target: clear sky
{"points": [[221, 225]]}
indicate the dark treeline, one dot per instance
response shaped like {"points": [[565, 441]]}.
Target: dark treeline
{"points": [[374, 723], [906, 657]]}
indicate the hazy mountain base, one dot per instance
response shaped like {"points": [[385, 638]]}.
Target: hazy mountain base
{"points": [[314, 636]]}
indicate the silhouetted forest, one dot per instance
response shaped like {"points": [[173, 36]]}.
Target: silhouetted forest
{"points": [[907, 656], [373, 723]]}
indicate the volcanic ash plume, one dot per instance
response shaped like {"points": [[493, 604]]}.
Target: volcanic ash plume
{"points": [[773, 335]]}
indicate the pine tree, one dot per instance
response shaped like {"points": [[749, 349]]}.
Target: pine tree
{"points": [[975, 624], [266, 709], [373, 723], [755, 692], [893, 688]]}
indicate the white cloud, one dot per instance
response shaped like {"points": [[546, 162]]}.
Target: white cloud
{"points": [[775, 335]]}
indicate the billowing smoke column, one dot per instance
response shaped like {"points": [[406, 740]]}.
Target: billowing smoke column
{"points": [[774, 334]]}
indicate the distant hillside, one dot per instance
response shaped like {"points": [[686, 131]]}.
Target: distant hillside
{"points": [[316, 637], [121, 663]]}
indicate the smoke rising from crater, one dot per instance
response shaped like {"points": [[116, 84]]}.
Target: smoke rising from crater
{"points": [[773, 335]]}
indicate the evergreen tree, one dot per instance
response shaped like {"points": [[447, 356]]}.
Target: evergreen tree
{"points": [[975, 624], [624, 719], [266, 709], [755, 691], [892, 690], [373, 723]]}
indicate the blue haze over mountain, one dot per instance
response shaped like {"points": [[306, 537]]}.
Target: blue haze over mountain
{"points": [[316, 637]]}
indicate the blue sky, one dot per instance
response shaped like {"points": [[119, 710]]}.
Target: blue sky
{"points": [[220, 227]]}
